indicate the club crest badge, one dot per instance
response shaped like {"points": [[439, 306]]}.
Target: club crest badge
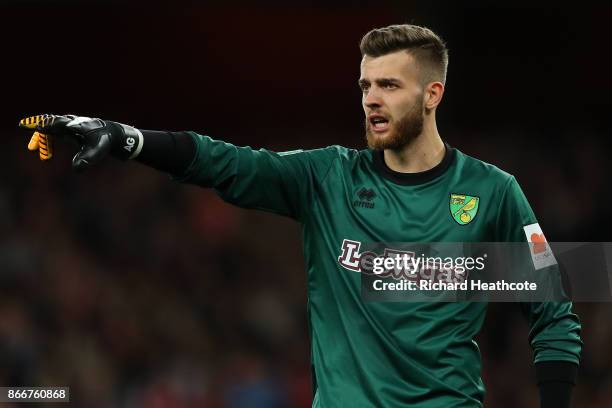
{"points": [[463, 208]]}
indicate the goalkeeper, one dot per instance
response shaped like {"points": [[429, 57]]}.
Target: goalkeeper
{"points": [[368, 354]]}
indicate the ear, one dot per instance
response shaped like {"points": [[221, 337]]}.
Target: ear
{"points": [[433, 94]]}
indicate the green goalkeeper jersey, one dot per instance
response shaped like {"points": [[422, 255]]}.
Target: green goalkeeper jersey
{"points": [[386, 354]]}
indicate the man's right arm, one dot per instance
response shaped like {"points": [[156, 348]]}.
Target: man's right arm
{"points": [[282, 183]]}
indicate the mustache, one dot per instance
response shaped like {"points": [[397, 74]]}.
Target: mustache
{"points": [[386, 115]]}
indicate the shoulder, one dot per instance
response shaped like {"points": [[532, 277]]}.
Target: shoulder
{"points": [[481, 169], [342, 156], [347, 155], [344, 153]]}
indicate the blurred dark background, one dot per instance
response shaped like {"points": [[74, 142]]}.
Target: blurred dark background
{"points": [[136, 291]]}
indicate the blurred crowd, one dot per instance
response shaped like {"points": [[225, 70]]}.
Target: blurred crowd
{"points": [[137, 291]]}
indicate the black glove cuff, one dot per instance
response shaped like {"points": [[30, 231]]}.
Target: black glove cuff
{"points": [[170, 152]]}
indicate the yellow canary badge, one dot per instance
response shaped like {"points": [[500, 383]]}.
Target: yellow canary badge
{"points": [[463, 208]]}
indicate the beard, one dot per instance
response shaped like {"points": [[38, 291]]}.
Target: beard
{"points": [[401, 133]]}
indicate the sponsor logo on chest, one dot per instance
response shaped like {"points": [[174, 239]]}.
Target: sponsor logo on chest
{"points": [[413, 267]]}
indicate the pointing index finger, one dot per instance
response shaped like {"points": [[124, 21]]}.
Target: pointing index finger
{"points": [[31, 122], [44, 122]]}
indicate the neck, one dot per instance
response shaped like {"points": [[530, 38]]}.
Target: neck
{"points": [[423, 153]]}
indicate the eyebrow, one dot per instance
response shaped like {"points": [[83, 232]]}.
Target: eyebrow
{"points": [[380, 82]]}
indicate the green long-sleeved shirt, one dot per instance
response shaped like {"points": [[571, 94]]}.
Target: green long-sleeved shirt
{"points": [[386, 354]]}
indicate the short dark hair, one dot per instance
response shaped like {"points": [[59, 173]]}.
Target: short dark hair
{"points": [[424, 45]]}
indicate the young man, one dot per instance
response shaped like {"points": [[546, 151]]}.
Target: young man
{"points": [[365, 354]]}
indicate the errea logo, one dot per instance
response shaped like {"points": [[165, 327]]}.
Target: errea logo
{"points": [[365, 198]]}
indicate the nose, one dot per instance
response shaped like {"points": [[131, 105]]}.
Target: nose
{"points": [[372, 98]]}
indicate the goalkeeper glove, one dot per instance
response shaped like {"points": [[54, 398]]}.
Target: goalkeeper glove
{"points": [[97, 138]]}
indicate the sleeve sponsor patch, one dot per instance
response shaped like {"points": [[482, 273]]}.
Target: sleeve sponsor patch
{"points": [[541, 253]]}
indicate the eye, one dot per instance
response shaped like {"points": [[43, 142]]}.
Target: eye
{"points": [[390, 86]]}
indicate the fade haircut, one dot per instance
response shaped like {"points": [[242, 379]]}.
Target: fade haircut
{"points": [[427, 48]]}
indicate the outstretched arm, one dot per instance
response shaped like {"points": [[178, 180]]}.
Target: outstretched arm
{"points": [[281, 183]]}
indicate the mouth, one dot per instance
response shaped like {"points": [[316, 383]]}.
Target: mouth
{"points": [[378, 123]]}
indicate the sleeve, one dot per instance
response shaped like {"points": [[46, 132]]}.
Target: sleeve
{"points": [[282, 183], [554, 331]]}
